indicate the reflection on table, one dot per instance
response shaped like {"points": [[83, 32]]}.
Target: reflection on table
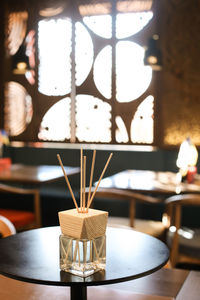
{"points": [[149, 181], [18, 173]]}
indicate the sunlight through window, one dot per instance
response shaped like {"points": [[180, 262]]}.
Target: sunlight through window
{"points": [[129, 24], [93, 119], [59, 130], [102, 65], [142, 124], [133, 78], [54, 39], [101, 25]]}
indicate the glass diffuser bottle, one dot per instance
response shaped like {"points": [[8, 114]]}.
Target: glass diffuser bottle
{"points": [[83, 241]]}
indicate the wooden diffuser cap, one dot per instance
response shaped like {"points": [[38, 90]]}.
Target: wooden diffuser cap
{"points": [[83, 225]]}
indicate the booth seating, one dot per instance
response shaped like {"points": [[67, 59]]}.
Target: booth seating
{"points": [[21, 219]]}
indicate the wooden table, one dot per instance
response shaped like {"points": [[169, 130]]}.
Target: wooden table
{"points": [[36, 175], [33, 256], [148, 182], [32, 177]]}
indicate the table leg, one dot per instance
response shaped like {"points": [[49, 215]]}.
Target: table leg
{"points": [[78, 292]]}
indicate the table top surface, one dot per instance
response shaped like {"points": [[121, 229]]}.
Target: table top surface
{"points": [[149, 181], [34, 174], [33, 256]]}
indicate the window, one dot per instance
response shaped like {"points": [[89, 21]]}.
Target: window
{"points": [[86, 80]]}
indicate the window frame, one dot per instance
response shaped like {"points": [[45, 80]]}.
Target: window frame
{"points": [[40, 105]]}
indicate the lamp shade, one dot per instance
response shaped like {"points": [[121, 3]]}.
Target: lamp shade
{"points": [[187, 156], [20, 62], [152, 56]]}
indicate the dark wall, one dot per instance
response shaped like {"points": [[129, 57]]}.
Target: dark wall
{"points": [[158, 160]]}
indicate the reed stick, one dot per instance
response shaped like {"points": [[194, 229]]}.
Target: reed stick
{"points": [[79, 258], [95, 250], [106, 165], [75, 251], [81, 181], [84, 179], [100, 252], [67, 180], [91, 176], [91, 242], [84, 252], [68, 250]]}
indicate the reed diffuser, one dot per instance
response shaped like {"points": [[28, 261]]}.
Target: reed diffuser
{"points": [[83, 239]]}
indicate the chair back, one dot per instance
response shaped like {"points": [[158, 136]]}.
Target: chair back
{"points": [[154, 228], [6, 227], [184, 242]]}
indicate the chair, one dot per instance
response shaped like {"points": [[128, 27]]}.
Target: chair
{"points": [[184, 242], [154, 228], [6, 227], [22, 220]]}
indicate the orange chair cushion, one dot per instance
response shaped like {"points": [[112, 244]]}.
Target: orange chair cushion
{"points": [[19, 218]]}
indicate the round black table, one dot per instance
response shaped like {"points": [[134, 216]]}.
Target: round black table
{"points": [[33, 256]]}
